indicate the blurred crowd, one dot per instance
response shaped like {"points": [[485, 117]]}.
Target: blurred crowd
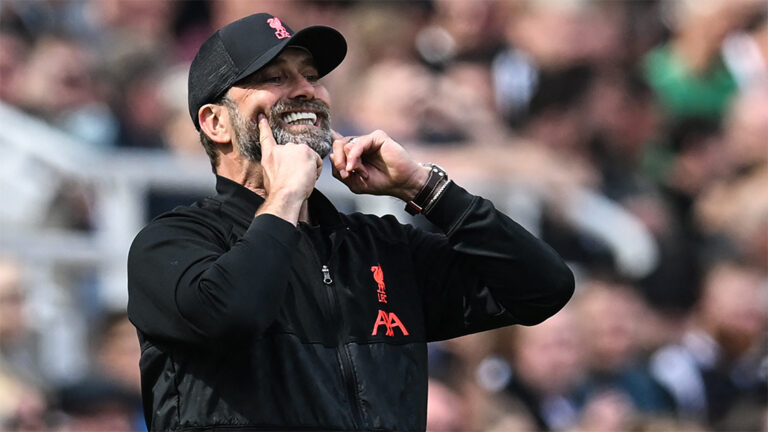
{"points": [[630, 135]]}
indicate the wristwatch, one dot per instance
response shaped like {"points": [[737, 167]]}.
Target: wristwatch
{"points": [[426, 195]]}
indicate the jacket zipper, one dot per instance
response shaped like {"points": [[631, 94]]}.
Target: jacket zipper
{"points": [[343, 357], [342, 354], [326, 275]]}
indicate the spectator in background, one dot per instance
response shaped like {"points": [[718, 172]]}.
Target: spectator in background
{"points": [[225, 11], [713, 367], [712, 187], [623, 122], [697, 160], [22, 403], [116, 359], [136, 98], [746, 131], [136, 47], [466, 109], [555, 117], [60, 85], [693, 161], [610, 319], [549, 38], [13, 52], [427, 108], [457, 45], [445, 410], [384, 31], [444, 94], [461, 31], [18, 340], [546, 366], [734, 216], [116, 20], [746, 52], [394, 108], [23, 407], [116, 351], [178, 135], [94, 404], [688, 73]]}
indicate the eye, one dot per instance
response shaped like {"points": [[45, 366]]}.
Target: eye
{"points": [[311, 77], [272, 79]]}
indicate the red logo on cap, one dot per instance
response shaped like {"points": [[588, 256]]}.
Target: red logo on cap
{"points": [[280, 31]]}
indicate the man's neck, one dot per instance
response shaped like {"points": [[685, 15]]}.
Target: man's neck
{"points": [[251, 177]]}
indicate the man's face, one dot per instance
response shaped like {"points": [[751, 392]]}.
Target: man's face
{"points": [[287, 91]]}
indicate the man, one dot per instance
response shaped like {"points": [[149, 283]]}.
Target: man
{"points": [[265, 308]]}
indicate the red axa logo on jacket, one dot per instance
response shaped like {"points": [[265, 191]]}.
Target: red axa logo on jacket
{"points": [[387, 319], [390, 321]]}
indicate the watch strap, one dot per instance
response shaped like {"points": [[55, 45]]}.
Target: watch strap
{"points": [[437, 176]]}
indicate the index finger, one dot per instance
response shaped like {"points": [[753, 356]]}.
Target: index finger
{"points": [[266, 139], [338, 158]]}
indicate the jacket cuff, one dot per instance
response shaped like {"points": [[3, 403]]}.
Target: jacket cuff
{"points": [[451, 208]]}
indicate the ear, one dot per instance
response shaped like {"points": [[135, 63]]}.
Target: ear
{"points": [[214, 121]]}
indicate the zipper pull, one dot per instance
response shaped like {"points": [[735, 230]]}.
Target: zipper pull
{"points": [[327, 275]]}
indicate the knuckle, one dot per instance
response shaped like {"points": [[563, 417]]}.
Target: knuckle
{"points": [[305, 149]]}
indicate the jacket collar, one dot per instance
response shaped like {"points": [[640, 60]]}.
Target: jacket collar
{"points": [[245, 202]]}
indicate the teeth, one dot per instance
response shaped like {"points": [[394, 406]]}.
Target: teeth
{"points": [[300, 118]]}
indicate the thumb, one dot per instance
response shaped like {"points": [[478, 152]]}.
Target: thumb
{"points": [[266, 139]]}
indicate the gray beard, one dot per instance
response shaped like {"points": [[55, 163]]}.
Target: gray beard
{"points": [[246, 131]]}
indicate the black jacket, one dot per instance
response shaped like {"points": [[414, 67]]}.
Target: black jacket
{"points": [[252, 323]]}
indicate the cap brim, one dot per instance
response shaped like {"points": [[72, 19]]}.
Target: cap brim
{"points": [[327, 46]]}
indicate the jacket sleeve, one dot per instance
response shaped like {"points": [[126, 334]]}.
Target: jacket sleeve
{"points": [[185, 284], [486, 271]]}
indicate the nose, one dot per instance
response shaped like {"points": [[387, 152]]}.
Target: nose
{"points": [[302, 88]]}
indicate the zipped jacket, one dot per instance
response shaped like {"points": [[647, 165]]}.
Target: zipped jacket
{"points": [[252, 323]]}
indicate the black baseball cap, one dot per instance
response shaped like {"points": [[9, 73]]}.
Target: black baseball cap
{"points": [[245, 46]]}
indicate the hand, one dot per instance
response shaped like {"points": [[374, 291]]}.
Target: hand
{"points": [[376, 164], [289, 173]]}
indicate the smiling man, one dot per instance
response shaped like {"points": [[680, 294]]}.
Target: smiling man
{"points": [[264, 308]]}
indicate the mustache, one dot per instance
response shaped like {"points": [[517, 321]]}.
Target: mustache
{"points": [[283, 106], [247, 130]]}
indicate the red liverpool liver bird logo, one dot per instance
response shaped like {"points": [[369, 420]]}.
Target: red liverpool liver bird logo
{"points": [[378, 276], [280, 31]]}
